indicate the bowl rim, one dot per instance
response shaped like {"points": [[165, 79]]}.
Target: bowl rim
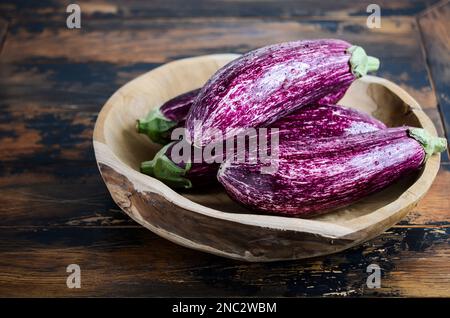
{"points": [[104, 155]]}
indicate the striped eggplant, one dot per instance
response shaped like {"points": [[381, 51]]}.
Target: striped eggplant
{"points": [[326, 120], [159, 123], [311, 121], [317, 175], [266, 84]]}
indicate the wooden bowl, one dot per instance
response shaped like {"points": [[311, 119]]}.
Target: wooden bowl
{"points": [[209, 220]]}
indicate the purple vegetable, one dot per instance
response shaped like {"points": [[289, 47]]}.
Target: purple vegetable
{"points": [[320, 174], [266, 84], [325, 121], [310, 121], [160, 122]]}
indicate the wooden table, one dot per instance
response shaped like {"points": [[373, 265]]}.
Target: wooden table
{"points": [[56, 211]]}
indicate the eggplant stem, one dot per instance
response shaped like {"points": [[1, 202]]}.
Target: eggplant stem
{"points": [[156, 126], [430, 144], [360, 62], [165, 170]]}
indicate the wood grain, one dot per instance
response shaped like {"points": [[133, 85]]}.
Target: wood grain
{"points": [[53, 199], [45, 52], [435, 28], [135, 262], [40, 64], [222, 229], [3, 32], [74, 194], [201, 8]]}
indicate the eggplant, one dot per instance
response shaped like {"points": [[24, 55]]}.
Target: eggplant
{"points": [[327, 120], [266, 84], [312, 121], [160, 122], [318, 175]]}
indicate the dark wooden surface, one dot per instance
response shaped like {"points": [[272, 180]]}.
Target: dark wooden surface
{"points": [[55, 209], [434, 24]]}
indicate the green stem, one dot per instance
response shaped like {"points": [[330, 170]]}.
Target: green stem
{"points": [[360, 62], [165, 170], [156, 126], [430, 144]]}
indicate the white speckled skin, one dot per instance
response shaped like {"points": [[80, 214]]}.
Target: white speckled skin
{"points": [[266, 84], [311, 121], [317, 175]]}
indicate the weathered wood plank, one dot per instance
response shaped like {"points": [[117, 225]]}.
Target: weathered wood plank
{"points": [[43, 134], [56, 210], [38, 135], [72, 61], [134, 262], [160, 40], [60, 84], [435, 206], [72, 193], [60, 91], [49, 103], [435, 27], [203, 8], [435, 115], [63, 196], [3, 32]]}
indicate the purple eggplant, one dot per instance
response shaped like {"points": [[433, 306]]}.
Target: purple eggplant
{"points": [[160, 122], [266, 84], [315, 121], [310, 121], [316, 175]]}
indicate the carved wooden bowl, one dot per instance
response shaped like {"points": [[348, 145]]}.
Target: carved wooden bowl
{"points": [[208, 220]]}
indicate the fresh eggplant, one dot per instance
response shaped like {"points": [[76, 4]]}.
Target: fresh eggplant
{"points": [[312, 121], [160, 122], [320, 174], [328, 120], [266, 84]]}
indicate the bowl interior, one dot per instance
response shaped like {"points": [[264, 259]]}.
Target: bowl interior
{"points": [[154, 88]]}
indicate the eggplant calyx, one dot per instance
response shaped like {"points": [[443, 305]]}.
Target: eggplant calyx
{"points": [[165, 170], [430, 144], [156, 126], [360, 62]]}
